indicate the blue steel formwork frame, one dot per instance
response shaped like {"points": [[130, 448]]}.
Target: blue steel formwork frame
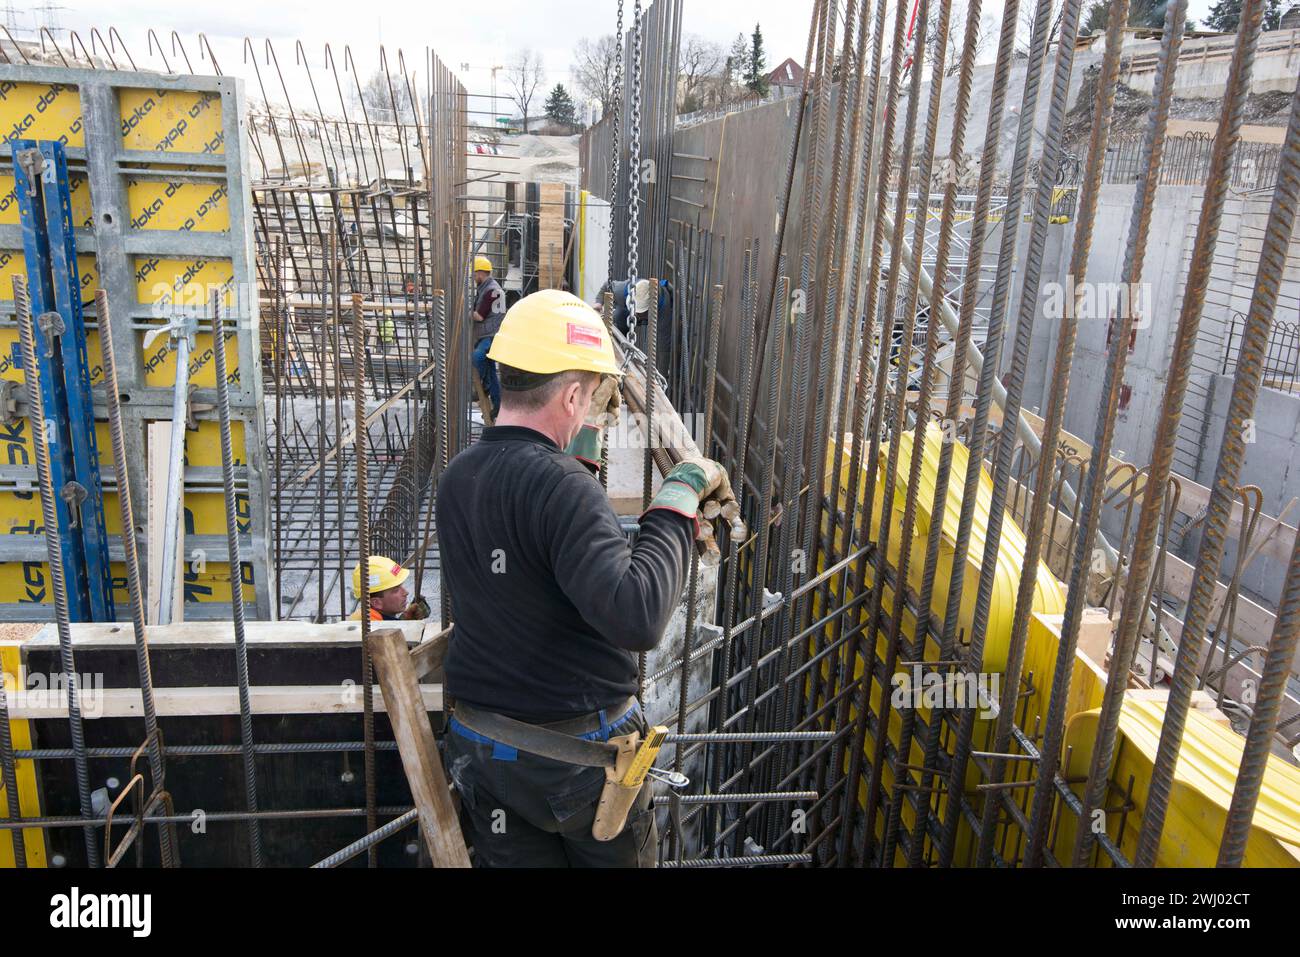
{"points": [[108, 164], [45, 214]]}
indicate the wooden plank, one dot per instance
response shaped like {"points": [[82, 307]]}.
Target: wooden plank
{"points": [[1193, 499], [424, 773], [429, 656], [159, 444], [550, 235], [197, 702], [40, 636]]}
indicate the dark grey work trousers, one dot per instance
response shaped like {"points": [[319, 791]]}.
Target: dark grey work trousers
{"points": [[521, 810]]}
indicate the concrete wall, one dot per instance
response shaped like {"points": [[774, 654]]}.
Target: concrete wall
{"points": [[1270, 460], [1204, 65], [1272, 463], [1148, 364]]}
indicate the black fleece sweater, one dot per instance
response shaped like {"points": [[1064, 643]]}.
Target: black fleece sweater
{"points": [[548, 599]]}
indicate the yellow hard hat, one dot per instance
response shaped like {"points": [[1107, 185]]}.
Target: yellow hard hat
{"points": [[482, 264], [384, 574], [554, 331]]}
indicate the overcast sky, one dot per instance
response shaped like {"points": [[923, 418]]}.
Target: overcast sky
{"points": [[478, 34]]}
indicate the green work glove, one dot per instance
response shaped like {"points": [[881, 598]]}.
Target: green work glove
{"points": [[417, 610], [690, 483], [588, 444]]}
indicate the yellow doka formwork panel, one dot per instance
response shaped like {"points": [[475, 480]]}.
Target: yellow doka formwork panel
{"points": [[29, 803], [1204, 778], [41, 111], [1049, 595], [161, 122], [171, 121], [27, 583]]}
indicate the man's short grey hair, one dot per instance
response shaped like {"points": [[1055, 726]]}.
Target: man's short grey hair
{"points": [[532, 390]]}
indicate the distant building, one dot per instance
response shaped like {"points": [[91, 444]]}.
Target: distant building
{"points": [[788, 77], [1290, 18]]}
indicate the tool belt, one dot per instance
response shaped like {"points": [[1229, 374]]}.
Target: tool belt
{"points": [[558, 743]]}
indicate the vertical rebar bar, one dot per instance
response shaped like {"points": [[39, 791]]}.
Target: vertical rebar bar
{"points": [[1153, 494], [236, 581], [1223, 491], [360, 443], [1094, 479], [112, 398], [58, 585]]}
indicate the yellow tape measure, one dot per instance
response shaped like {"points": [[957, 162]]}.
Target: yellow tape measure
{"points": [[645, 756]]}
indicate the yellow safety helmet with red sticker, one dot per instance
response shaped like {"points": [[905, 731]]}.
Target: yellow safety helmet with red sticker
{"points": [[384, 574], [553, 331]]}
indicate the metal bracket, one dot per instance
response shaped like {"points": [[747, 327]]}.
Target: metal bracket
{"points": [[33, 164], [51, 326], [192, 407], [707, 631], [13, 402], [179, 327], [74, 493]]}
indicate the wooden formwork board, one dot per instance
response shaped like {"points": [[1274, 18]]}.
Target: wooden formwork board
{"points": [[550, 236]]}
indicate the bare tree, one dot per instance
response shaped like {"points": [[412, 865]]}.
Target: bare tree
{"points": [[700, 59], [956, 36], [525, 74], [387, 98], [593, 70], [1025, 26]]}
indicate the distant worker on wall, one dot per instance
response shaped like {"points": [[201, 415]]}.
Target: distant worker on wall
{"points": [[387, 592], [641, 310], [489, 310]]}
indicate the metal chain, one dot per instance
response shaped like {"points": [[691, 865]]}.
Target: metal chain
{"points": [[634, 172], [617, 118]]}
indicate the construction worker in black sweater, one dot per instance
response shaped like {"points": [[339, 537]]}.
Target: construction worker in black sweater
{"points": [[550, 603]]}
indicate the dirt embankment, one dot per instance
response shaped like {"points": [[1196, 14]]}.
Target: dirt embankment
{"points": [[1132, 109]]}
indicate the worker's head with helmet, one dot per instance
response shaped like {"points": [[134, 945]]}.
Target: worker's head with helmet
{"points": [[482, 269], [385, 584], [551, 352]]}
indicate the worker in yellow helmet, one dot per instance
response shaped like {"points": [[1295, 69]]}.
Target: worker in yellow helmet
{"points": [[551, 602], [387, 594], [489, 310]]}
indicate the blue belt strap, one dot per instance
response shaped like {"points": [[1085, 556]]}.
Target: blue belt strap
{"points": [[504, 752]]}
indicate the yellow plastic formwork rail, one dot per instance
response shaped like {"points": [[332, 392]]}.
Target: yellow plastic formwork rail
{"points": [[918, 689], [1204, 778], [161, 122], [29, 803]]}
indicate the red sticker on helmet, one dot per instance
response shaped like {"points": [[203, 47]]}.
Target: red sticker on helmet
{"points": [[580, 335]]}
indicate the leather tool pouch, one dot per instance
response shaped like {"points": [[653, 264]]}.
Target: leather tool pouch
{"points": [[616, 800]]}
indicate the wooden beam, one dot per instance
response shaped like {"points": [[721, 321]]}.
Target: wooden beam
{"points": [[1193, 499], [429, 656], [92, 636], [189, 702], [408, 715]]}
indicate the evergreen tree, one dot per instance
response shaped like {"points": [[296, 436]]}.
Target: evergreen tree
{"points": [[736, 66], [559, 105], [756, 65], [1224, 16], [1141, 13]]}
